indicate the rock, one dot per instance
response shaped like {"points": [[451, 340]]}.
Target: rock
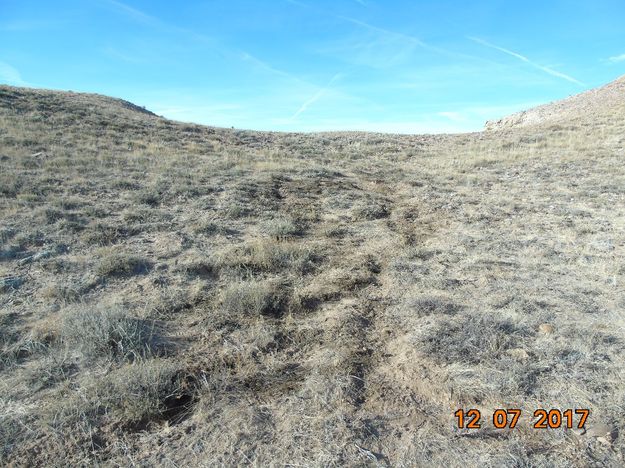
{"points": [[605, 440], [546, 328], [518, 353], [604, 433], [520, 119]]}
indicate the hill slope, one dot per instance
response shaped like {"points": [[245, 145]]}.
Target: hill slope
{"points": [[594, 107], [175, 294]]}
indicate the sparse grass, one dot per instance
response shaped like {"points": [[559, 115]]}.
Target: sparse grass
{"points": [[15, 349], [102, 234], [370, 210], [136, 396], [115, 263], [63, 292], [199, 265], [336, 231], [471, 338], [138, 393], [150, 197], [236, 211], [328, 299], [11, 428], [10, 283], [427, 305], [67, 291], [99, 332], [208, 228], [269, 255], [252, 298], [281, 227]]}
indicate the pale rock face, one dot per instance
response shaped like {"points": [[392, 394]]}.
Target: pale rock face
{"points": [[579, 106], [520, 119]]}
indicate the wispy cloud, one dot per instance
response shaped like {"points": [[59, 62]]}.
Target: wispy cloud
{"points": [[10, 75], [385, 32], [617, 58], [133, 13], [402, 44], [523, 58], [29, 25], [300, 4], [406, 37], [234, 54], [143, 17], [150, 20], [453, 116], [264, 66], [373, 46], [406, 42], [123, 56], [314, 98]]}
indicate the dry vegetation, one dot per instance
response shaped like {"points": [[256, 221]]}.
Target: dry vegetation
{"points": [[181, 295]]}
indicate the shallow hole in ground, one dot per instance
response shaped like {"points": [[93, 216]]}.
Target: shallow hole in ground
{"points": [[176, 407]]}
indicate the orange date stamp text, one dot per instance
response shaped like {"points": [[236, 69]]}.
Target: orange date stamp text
{"points": [[508, 418]]}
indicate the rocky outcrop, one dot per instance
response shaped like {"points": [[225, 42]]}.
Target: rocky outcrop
{"points": [[585, 105], [519, 119]]}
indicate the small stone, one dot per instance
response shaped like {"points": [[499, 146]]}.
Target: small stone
{"points": [[518, 353], [546, 328], [604, 433]]}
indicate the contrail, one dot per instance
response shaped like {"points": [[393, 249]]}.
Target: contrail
{"points": [[526, 60], [315, 97], [11, 75], [377, 29], [407, 38]]}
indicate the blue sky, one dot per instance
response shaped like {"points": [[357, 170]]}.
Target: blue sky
{"points": [[304, 65]]}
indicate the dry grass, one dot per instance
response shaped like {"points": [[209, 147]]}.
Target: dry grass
{"points": [[252, 298], [179, 295], [106, 333]]}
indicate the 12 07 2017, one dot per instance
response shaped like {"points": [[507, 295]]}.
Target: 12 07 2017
{"points": [[508, 418]]}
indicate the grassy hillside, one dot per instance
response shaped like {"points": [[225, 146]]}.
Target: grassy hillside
{"points": [[182, 295]]}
